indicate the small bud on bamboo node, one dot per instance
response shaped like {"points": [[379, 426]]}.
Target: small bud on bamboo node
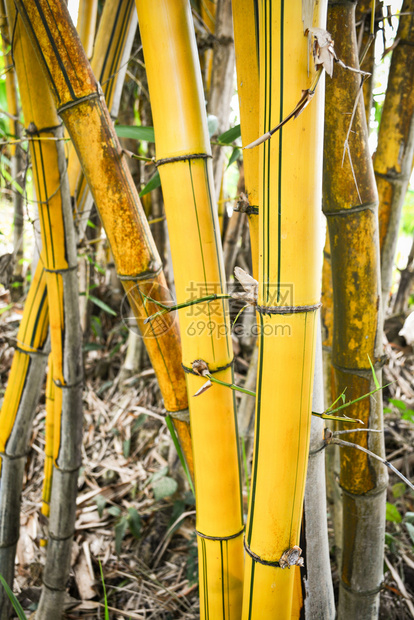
{"points": [[291, 557]]}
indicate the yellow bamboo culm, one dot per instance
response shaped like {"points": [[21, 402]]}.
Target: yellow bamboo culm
{"points": [[49, 444], [81, 106], [86, 24], [184, 162], [245, 24], [289, 276]]}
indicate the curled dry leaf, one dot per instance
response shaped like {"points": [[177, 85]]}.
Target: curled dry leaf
{"points": [[203, 388], [291, 557], [200, 367], [323, 49], [249, 284]]}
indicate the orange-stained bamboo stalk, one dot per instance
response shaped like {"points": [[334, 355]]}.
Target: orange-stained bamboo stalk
{"points": [[393, 159], [350, 203], [81, 106], [184, 161]]}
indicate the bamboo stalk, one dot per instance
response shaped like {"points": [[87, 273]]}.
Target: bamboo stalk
{"points": [[318, 596], [289, 198], [86, 24], [183, 155], [350, 204], [393, 160], [49, 442], [245, 21], [113, 46], [81, 106], [60, 262], [15, 150], [16, 416], [220, 89]]}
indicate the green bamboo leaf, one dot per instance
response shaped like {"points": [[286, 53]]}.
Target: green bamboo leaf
{"points": [[134, 522], [104, 591], [16, 605], [374, 376], [120, 529], [230, 135], [135, 133], [177, 445], [392, 513], [102, 305], [153, 183], [236, 154]]}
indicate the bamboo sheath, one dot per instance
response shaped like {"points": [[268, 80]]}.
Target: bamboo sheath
{"points": [[183, 155], [350, 205], [245, 24], [289, 268], [60, 263], [16, 416], [393, 160], [81, 106]]}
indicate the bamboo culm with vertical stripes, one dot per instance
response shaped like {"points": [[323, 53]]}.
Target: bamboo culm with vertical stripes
{"points": [[289, 268]]}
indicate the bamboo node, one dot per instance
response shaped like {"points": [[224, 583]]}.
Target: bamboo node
{"points": [[220, 537], [287, 309], [243, 206], [59, 384], [170, 160], [200, 371], [290, 557], [32, 130]]}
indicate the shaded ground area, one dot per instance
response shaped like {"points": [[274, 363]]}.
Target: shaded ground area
{"points": [[136, 514]]}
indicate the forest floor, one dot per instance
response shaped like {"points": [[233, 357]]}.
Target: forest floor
{"points": [[135, 512]]}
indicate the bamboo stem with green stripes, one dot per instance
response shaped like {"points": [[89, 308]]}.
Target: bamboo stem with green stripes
{"points": [[79, 100], [16, 150], [184, 161], [59, 259], [245, 24], [350, 204], [16, 417], [289, 268]]}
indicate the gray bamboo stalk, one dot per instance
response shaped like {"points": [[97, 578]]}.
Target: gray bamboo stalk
{"points": [[222, 81], [13, 461], [68, 461], [317, 578]]}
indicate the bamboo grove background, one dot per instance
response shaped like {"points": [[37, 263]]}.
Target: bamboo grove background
{"points": [[191, 342]]}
